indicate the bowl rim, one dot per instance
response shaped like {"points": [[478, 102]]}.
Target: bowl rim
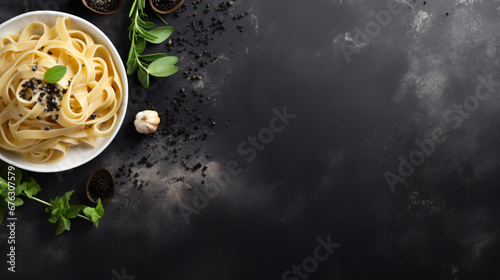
{"points": [[104, 141]]}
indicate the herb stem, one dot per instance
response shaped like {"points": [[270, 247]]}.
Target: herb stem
{"points": [[141, 32], [136, 26], [48, 204], [161, 18], [85, 217], [39, 200]]}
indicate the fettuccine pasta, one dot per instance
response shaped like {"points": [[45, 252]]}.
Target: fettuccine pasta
{"points": [[42, 121]]}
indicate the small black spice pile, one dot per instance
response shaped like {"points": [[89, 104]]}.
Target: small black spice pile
{"points": [[103, 5], [101, 186], [165, 5], [44, 93]]}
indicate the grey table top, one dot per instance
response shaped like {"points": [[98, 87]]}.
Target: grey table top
{"points": [[352, 140]]}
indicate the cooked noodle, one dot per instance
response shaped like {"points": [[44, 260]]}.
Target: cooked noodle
{"points": [[40, 120]]}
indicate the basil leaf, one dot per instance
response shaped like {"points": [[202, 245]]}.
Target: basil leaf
{"points": [[143, 77], [161, 34], [153, 57], [55, 74], [163, 67]]}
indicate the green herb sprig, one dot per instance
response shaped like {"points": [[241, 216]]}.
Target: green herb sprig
{"points": [[59, 208], [140, 32]]}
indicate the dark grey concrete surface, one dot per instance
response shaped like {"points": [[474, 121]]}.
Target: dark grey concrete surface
{"points": [[372, 86]]}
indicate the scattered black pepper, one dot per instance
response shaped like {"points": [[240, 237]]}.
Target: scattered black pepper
{"points": [[183, 120]]}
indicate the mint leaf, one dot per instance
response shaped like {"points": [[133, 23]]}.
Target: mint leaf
{"points": [[20, 188], [59, 208], [62, 225], [65, 198], [3, 186], [61, 212], [94, 213], [53, 218], [18, 201], [31, 188], [55, 74], [74, 210]]}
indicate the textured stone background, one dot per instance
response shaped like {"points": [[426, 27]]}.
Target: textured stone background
{"points": [[323, 175]]}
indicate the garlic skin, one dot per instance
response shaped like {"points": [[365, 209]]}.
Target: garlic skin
{"points": [[146, 121]]}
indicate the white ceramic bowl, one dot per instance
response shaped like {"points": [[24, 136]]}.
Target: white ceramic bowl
{"points": [[80, 154]]}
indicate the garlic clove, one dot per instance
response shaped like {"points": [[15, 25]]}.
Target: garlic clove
{"points": [[146, 121]]}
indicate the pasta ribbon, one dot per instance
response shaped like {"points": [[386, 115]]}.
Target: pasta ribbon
{"points": [[42, 121]]}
